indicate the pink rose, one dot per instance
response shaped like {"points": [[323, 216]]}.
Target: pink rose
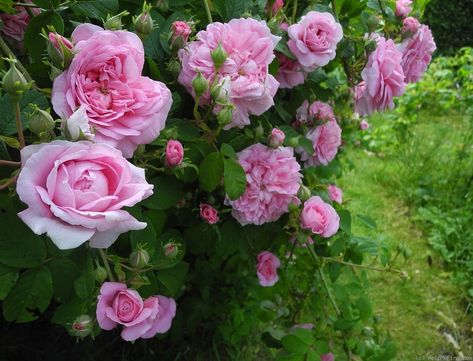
{"points": [[59, 41], [276, 139], [315, 112], [275, 7], [14, 25], [77, 126], [249, 45], [417, 53], [326, 139], [403, 7], [327, 357], [273, 180], [364, 125], [118, 304], [208, 213], [267, 269], [319, 217], [410, 25], [174, 153], [313, 40], [335, 193], [383, 79], [289, 73], [125, 108], [76, 191]]}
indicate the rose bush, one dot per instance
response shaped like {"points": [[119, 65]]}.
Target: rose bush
{"points": [[159, 169]]}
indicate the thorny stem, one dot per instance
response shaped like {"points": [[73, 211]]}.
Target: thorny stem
{"points": [[107, 266]]}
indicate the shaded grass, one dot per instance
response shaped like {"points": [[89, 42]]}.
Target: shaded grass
{"points": [[420, 310]]}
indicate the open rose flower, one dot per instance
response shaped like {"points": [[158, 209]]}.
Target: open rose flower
{"points": [[403, 7], [335, 193], [249, 45], [364, 125], [326, 139], [272, 183], [319, 217], [208, 213], [125, 108], [313, 40], [417, 53], [383, 79], [119, 305], [267, 269], [76, 191], [290, 73], [316, 112]]}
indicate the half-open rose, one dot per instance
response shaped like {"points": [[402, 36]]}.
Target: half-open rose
{"points": [[75, 192]]}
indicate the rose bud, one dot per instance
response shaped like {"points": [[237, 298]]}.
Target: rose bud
{"points": [[162, 5], [364, 125], [208, 213], [327, 357], [267, 269], [171, 250], [180, 32], [274, 9], [219, 55], [276, 138], [335, 193], [139, 258], [220, 92], [225, 116], [200, 85], [174, 153], [144, 24], [82, 326], [14, 83], [100, 273], [304, 193], [115, 22], [60, 50], [77, 126], [41, 121], [410, 26]]}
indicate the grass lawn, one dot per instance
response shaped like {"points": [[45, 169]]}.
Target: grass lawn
{"points": [[424, 314]]}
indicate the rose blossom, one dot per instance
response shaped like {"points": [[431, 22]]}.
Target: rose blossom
{"points": [[174, 153], [335, 193], [364, 125], [118, 304], [125, 108], [410, 25], [289, 73], [327, 357], [276, 138], [319, 217], [14, 25], [314, 38], [78, 125], [273, 180], [403, 7], [208, 213], [267, 269], [180, 30], [383, 79], [75, 192], [317, 111], [249, 45], [417, 53], [326, 139]]}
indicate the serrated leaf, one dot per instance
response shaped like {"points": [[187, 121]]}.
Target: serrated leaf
{"points": [[8, 278], [234, 179]]}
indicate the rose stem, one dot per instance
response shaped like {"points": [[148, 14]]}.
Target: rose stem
{"points": [[107, 266], [19, 126], [9, 163], [207, 10]]}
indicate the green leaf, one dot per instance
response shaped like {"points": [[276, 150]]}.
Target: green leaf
{"points": [[364, 306], [211, 172], [345, 221], [234, 179], [7, 6], [167, 192], [173, 278], [34, 43], [145, 237], [84, 285], [367, 221], [228, 151], [294, 344], [63, 272], [47, 4], [8, 278], [306, 144], [232, 9], [95, 9], [33, 290], [67, 312]]}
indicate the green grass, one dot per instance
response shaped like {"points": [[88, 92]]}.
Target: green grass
{"points": [[421, 311]]}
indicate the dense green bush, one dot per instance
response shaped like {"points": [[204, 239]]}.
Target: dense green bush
{"points": [[451, 24]]}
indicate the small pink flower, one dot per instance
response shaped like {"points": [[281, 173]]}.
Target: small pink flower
{"points": [[290, 73], [181, 30], [383, 79], [417, 53], [208, 213], [267, 269], [319, 217], [174, 153], [14, 25], [313, 40], [326, 139], [276, 139], [364, 125], [335, 193], [118, 304], [275, 7], [410, 25], [403, 7], [327, 357], [59, 40]]}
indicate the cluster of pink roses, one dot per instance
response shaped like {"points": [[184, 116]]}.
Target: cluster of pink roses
{"points": [[390, 67], [119, 305]]}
